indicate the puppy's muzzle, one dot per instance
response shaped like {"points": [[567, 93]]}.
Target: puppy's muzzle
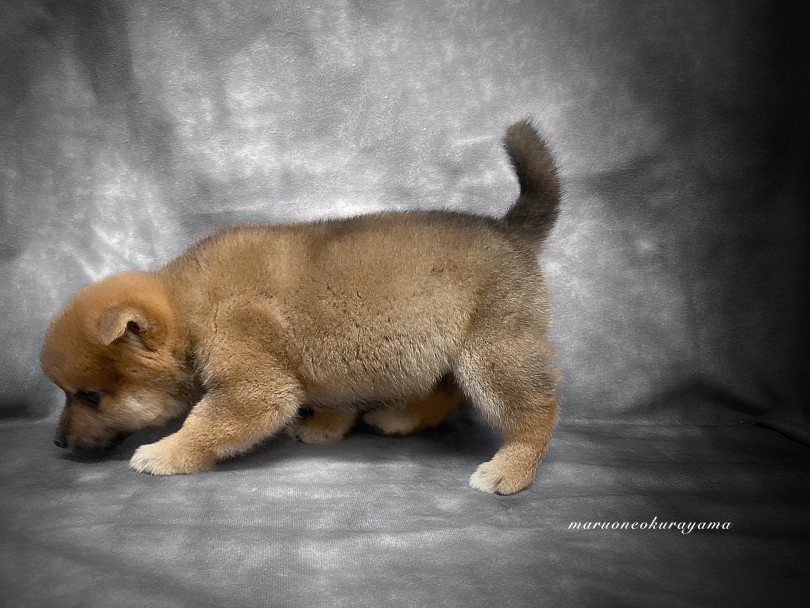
{"points": [[60, 441]]}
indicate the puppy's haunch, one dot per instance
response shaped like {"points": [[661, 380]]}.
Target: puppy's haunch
{"points": [[413, 312]]}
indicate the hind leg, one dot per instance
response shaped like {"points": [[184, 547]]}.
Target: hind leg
{"points": [[419, 415], [509, 379], [513, 467]]}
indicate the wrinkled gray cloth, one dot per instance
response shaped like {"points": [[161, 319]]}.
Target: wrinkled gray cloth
{"points": [[677, 270], [391, 522]]}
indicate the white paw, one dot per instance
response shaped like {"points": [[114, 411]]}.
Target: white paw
{"points": [[161, 458], [485, 479], [146, 459], [495, 477], [390, 422]]}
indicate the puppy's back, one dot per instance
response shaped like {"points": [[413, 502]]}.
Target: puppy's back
{"points": [[390, 250]]}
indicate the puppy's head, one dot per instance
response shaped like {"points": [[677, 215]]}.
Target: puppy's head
{"points": [[115, 352]]}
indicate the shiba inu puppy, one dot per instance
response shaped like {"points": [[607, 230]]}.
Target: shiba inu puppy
{"points": [[394, 316]]}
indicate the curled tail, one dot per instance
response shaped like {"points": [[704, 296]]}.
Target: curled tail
{"points": [[534, 213]]}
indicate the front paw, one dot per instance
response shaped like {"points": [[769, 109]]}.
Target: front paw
{"points": [[165, 457]]}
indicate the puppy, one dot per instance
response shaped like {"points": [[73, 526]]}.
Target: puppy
{"points": [[398, 316]]}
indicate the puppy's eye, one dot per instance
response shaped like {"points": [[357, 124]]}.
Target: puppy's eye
{"points": [[89, 398]]}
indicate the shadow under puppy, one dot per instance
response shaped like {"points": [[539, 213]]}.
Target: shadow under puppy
{"points": [[408, 310]]}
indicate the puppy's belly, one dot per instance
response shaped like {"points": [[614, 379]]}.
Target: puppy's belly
{"points": [[388, 369]]}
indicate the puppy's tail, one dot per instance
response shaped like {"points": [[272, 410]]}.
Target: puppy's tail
{"points": [[534, 213]]}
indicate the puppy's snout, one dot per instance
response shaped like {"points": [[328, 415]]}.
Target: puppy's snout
{"points": [[60, 441]]}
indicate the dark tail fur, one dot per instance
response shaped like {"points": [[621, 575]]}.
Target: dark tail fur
{"points": [[538, 205]]}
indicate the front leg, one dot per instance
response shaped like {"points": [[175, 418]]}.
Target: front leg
{"points": [[217, 428], [251, 396]]}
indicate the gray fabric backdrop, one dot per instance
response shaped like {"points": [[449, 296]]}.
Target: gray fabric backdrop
{"points": [[678, 275]]}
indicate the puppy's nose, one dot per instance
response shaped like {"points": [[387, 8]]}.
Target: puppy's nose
{"points": [[60, 442]]}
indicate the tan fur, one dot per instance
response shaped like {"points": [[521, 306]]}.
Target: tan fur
{"points": [[343, 316], [324, 425]]}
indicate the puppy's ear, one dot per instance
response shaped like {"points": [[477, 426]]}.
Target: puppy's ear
{"points": [[127, 323]]}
